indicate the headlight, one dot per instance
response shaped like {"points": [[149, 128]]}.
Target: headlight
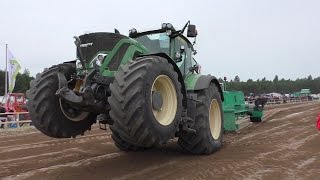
{"points": [[98, 60], [100, 57], [78, 65]]}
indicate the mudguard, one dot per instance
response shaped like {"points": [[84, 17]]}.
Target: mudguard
{"points": [[199, 82]]}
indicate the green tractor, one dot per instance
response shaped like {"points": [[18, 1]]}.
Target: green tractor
{"points": [[147, 87]]}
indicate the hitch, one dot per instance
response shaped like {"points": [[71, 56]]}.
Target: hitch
{"points": [[187, 124], [83, 99], [104, 119]]}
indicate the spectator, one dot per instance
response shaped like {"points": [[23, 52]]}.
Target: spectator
{"points": [[3, 117]]}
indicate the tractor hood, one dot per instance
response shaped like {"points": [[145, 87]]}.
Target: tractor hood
{"points": [[93, 43], [104, 52]]}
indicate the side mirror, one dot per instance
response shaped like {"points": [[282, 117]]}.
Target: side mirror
{"points": [[192, 32]]}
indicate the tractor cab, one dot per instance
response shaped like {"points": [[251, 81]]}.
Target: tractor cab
{"points": [[172, 43]]}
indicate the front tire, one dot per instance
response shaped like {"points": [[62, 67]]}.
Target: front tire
{"points": [[208, 124], [146, 102], [45, 109], [124, 145]]}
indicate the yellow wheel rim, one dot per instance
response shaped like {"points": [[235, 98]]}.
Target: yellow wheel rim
{"points": [[78, 85], [165, 87], [215, 119]]}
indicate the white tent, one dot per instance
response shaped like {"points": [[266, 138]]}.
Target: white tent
{"points": [[274, 94]]}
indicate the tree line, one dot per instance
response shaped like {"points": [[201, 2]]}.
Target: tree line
{"points": [[285, 86], [258, 86], [22, 82]]}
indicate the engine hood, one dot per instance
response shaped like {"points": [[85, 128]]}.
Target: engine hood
{"points": [[93, 43]]}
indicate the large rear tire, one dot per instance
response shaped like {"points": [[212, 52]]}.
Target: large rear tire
{"points": [[46, 110], [146, 102], [208, 124]]}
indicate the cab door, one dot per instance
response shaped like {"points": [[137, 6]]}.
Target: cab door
{"points": [[184, 65]]}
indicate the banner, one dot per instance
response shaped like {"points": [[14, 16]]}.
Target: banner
{"points": [[13, 69]]}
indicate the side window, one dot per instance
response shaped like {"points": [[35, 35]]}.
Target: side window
{"points": [[193, 62], [188, 59], [186, 63]]}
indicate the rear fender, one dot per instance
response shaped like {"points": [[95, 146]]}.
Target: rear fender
{"points": [[197, 82]]}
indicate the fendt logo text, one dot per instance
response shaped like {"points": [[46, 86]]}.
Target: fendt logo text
{"points": [[86, 45]]}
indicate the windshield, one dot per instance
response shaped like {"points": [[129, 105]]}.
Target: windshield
{"points": [[155, 43]]}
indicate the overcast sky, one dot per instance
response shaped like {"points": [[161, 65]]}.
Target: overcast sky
{"points": [[249, 38]]}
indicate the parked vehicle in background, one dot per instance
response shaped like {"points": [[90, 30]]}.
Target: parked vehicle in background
{"points": [[314, 96], [15, 107], [16, 102], [318, 122]]}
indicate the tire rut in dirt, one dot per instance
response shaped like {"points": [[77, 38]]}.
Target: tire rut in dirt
{"points": [[202, 142], [44, 106], [130, 101]]}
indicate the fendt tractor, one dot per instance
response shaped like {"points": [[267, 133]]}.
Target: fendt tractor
{"points": [[147, 87]]}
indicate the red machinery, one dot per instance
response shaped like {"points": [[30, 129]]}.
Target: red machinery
{"points": [[16, 102], [318, 123]]}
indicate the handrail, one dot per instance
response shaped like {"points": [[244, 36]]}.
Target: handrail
{"points": [[13, 118], [13, 113]]}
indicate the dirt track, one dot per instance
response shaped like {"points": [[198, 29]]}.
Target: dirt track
{"points": [[285, 146]]}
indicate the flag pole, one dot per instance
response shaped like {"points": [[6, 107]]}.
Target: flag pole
{"points": [[6, 74]]}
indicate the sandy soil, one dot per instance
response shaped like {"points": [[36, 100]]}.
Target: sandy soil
{"points": [[285, 146]]}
